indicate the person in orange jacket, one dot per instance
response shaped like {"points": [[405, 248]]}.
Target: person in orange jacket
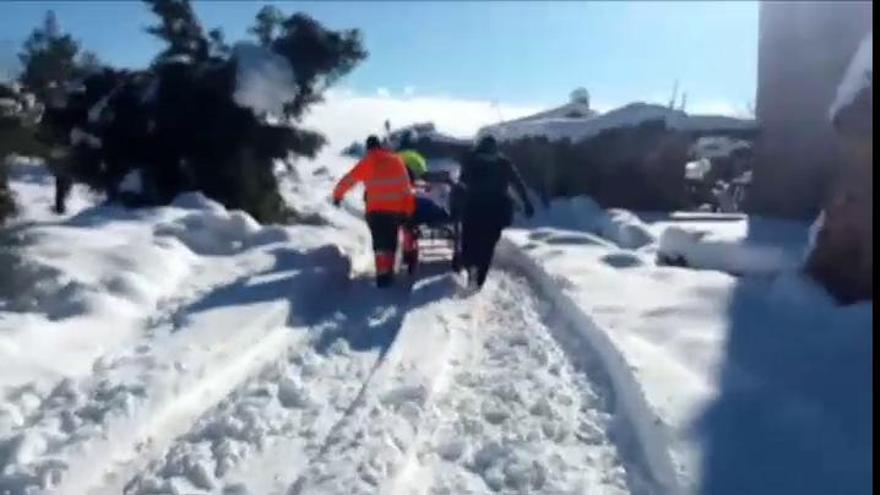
{"points": [[390, 201]]}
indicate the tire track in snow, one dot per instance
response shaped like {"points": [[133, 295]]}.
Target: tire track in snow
{"points": [[517, 417], [495, 406], [271, 426], [370, 442], [266, 432]]}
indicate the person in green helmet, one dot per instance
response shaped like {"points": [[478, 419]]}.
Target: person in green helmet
{"points": [[414, 161]]}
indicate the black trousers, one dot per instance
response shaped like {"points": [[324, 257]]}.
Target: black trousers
{"points": [[482, 223], [384, 228]]}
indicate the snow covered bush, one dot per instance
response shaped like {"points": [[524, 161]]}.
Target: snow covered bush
{"points": [[204, 116], [17, 135]]}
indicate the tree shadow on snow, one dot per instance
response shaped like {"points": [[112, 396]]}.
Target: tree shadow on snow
{"points": [[794, 409], [321, 296]]}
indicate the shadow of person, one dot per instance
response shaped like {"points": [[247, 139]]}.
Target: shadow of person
{"points": [[319, 294], [794, 408]]}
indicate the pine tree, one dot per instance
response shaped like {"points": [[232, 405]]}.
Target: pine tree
{"points": [[217, 46], [180, 28], [89, 63], [319, 57], [267, 24], [48, 58]]}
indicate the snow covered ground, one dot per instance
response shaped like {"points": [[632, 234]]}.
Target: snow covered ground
{"points": [[757, 384], [186, 349], [34, 187]]}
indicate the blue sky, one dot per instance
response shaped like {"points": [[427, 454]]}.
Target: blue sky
{"points": [[512, 52]]}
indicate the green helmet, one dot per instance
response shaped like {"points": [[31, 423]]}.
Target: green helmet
{"points": [[414, 161]]}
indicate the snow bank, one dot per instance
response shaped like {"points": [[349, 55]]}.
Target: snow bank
{"points": [[678, 246], [264, 79], [90, 279], [583, 213], [76, 290], [118, 326], [734, 372], [213, 230], [858, 76]]}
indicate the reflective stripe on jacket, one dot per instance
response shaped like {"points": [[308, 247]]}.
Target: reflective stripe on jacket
{"points": [[386, 180]]}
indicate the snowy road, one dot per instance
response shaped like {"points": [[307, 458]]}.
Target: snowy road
{"points": [[213, 355], [472, 396]]}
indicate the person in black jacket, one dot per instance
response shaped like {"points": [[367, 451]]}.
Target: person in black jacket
{"points": [[487, 208]]}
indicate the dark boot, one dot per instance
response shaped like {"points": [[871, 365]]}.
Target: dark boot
{"points": [[63, 185], [384, 280], [410, 249]]}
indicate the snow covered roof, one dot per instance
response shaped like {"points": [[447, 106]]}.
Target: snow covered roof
{"points": [[573, 110], [633, 114], [858, 76], [578, 107]]}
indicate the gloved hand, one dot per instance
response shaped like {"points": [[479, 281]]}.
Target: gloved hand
{"points": [[336, 202], [528, 211]]}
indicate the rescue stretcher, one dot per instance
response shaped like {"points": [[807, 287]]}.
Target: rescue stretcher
{"points": [[436, 223]]}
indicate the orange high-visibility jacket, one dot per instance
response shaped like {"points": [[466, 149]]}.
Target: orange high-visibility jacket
{"points": [[387, 182]]}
